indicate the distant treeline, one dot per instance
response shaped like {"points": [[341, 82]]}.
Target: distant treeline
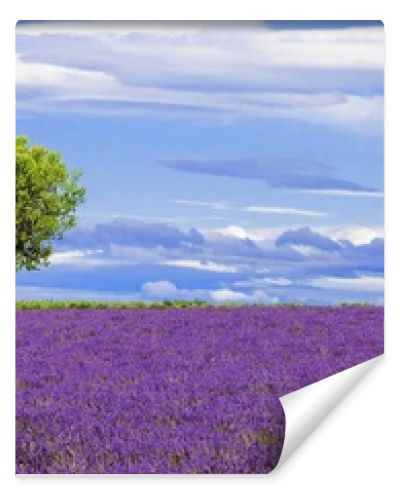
{"points": [[94, 304], [179, 304]]}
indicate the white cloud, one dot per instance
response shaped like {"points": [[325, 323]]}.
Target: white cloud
{"points": [[307, 250], [257, 234], [285, 211], [251, 42], [106, 28], [77, 258], [354, 113], [362, 283], [204, 265], [344, 192], [166, 290], [160, 290], [216, 205], [217, 70], [233, 231], [227, 295], [263, 282], [358, 235], [63, 79]]}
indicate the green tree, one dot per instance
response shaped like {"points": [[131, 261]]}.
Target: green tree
{"points": [[47, 196]]}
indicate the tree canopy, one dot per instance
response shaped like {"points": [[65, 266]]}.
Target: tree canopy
{"points": [[47, 196]]}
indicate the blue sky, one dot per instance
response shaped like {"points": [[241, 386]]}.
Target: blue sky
{"points": [[222, 161]]}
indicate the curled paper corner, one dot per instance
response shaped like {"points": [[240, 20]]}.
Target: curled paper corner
{"points": [[306, 408]]}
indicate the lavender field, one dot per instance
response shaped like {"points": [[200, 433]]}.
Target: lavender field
{"points": [[173, 390]]}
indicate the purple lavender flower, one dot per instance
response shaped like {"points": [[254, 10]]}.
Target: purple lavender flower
{"points": [[173, 390]]}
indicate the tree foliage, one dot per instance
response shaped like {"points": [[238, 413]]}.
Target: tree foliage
{"points": [[47, 196]]}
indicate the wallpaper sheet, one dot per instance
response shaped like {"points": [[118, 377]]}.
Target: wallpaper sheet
{"points": [[199, 233]]}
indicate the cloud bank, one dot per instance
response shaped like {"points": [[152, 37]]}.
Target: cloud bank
{"points": [[222, 70], [297, 264]]}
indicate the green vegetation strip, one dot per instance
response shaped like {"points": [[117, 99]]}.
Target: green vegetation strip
{"points": [[90, 304]]}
